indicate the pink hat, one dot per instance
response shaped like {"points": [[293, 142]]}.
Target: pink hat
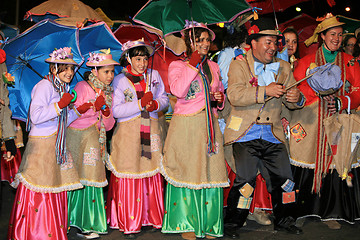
{"points": [[137, 43], [62, 56], [101, 58], [194, 24]]}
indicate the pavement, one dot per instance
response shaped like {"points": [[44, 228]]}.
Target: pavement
{"points": [[313, 228]]}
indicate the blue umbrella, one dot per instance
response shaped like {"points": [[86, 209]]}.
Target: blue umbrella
{"points": [[9, 31], [26, 54], [96, 37]]}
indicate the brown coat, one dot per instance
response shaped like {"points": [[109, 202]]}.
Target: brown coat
{"points": [[247, 101]]}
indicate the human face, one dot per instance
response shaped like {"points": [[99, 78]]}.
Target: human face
{"points": [[291, 43], [264, 48], [333, 38], [349, 47], [139, 64], [105, 74], [203, 43], [66, 75]]}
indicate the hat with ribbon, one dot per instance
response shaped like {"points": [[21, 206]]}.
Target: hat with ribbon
{"points": [[61, 56], [262, 27], [329, 21], [101, 58], [137, 43], [194, 24]]}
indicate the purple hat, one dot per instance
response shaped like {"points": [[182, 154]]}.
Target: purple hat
{"points": [[194, 24], [62, 56], [101, 58]]}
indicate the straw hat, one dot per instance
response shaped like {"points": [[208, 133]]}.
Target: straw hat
{"points": [[262, 27], [133, 44], [328, 22], [62, 56], [194, 24], [100, 59], [357, 31]]}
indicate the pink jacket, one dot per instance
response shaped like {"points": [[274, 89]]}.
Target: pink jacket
{"points": [[186, 84], [86, 94]]}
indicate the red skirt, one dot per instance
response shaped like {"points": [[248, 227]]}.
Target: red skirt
{"points": [[10, 168]]}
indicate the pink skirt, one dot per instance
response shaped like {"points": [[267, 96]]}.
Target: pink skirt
{"points": [[133, 203], [38, 215], [10, 168]]}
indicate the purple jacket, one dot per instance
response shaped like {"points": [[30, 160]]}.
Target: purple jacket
{"points": [[44, 110], [127, 106]]}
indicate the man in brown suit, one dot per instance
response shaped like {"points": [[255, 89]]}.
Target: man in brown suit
{"points": [[256, 92]]}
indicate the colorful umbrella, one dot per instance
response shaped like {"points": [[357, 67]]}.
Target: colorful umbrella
{"points": [[26, 54], [163, 55], [268, 6], [351, 24], [75, 10], [169, 15]]}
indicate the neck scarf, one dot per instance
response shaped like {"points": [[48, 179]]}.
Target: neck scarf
{"points": [[329, 55], [266, 72], [60, 146], [136, 80], [205, 73], [102, 89]]}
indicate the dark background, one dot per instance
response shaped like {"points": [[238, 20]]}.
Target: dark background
{"points": [[125, 9]]}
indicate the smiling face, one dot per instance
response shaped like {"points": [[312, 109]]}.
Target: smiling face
{"points": [[203, 43], [333, 38], [291, 42], [139, 64], [264, 48], [105, 74], [66, 72], [349, 46]]}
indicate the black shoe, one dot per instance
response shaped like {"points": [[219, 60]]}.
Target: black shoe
{"points": [[130, 236], [292, 229], [231, 232]]}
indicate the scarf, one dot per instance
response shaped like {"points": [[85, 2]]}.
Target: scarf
{"points": [[205, 73], [102, 89], [145, 141], [60, 146]]}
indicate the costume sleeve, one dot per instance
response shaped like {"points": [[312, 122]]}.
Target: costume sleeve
{"points": [[121, 108], [353, 77], [160, 96], [224, 61], [180, 76], [239, 93], [43, 105], [85, 94]]}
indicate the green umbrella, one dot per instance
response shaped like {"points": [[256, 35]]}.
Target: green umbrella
{"points": [[351, 24], [169, 15]]}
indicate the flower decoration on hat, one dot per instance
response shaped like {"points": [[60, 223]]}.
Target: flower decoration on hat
{"points": [[8, 78], [61, 54], [96, 57], [129, 44], [253, 30]]}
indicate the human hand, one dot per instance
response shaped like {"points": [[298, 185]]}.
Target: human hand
{"points": [[65, 100], [195, 58], [148, 96], [293, 95], [10, 149], [218, 96], [84, 107], [275, 90], [331, 103], [151, 106]]}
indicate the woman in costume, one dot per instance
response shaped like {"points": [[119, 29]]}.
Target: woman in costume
{"points": [[291, 42], [321, 190], [47, 170], [87, 137], [194, 164], [135, 196]]}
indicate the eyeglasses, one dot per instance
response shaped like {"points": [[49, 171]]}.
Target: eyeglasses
{"points": [[350, 45]]}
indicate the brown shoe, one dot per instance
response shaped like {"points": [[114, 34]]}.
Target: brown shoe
{"points": [[260, 216], [188, 235], [210, 237], [333, 224]]}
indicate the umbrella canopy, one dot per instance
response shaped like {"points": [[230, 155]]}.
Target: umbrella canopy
{"points": [[163, 55], [96, 37], [9, 31], [268, 6], [54, 9], [26, 54], [169, 15], [351, 24]]}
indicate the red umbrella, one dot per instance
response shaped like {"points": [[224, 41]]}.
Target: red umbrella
{"points": [[305, 26], [163, 55], [279, 5]]}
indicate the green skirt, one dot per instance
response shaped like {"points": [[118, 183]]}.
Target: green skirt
{"points": [[86, 210], [190, 210]]}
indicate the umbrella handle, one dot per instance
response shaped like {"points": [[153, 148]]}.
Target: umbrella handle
{"points": [[75, 95]]}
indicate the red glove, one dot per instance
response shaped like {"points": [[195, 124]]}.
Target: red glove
{"points": [[148, 96], [106, 111], [153, 106], [84, 107], [2, 56], [195, 58], [65, 100], [99, 103]]}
